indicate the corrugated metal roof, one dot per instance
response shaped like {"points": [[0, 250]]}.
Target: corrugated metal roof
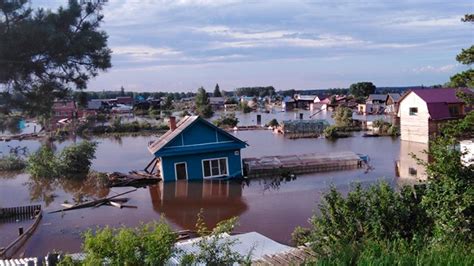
{"points": [[254, 243], [377, 97], [170, 135], [394, 96]]}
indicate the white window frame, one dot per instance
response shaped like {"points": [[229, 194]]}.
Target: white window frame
{"points": [[218, 161], [176, 172]]}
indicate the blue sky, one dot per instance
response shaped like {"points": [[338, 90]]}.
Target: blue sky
{"points": [[163, 45]]}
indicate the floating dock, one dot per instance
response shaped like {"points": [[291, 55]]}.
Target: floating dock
{"points": [[270, 166]]}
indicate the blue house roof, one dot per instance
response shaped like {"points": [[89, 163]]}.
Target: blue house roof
{"points": [[194, 135]]}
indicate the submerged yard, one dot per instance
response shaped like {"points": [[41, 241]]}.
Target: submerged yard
{"points": [[272, 206]]}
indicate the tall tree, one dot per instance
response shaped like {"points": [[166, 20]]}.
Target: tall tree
{"points": [[362, 89], [203, 108], [122, 91], [68, 49], [466, 57], [217, 91]]}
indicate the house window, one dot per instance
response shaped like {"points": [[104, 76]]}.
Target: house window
{"points": [[454, 110], [214, 167], [413, 111], [412, 171]]}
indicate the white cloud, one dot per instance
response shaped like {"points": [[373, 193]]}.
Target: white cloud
{"points": [[424, 22], [432, 69], [145, 53]]}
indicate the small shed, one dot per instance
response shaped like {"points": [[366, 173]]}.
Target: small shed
{"points": [[195, 149]]}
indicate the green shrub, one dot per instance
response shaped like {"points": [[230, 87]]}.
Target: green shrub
{"points": [[273, 123], [227, 120], [214, 247], [378, 213], [244, 107], [72, 161], [149, 244], [12, 163], [43, 163]]}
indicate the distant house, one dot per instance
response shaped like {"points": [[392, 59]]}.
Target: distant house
{"points": [[126, 100], [288, 104], [64, 110], [195, 149], [304, 101], [391, 103], [216, 102], [375, 104], [422, 112]]}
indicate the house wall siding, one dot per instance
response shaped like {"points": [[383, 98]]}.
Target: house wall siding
{"points": [[414, 127], [194, 164]]}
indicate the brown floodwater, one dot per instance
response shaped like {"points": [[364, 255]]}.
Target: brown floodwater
{"points": [[273, 207]]}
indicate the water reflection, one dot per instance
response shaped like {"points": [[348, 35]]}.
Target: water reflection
{"points": [[43, 189], [409, 171], [181, 201]]}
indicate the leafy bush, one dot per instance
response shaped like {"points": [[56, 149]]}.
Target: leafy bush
{"points": [[244, 107], [214, 247], [76, 159], [378, 213], [43, 163], [334, 132], [73, 161], [11, 163], [227, 120], [342, 116], [149, 244], [273, 123]]}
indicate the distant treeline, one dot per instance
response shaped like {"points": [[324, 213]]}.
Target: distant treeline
{"points": [[345, 91], [135, 95], [255, 91]]}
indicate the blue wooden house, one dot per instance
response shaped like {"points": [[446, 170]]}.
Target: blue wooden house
{"points": [[195, 149]]}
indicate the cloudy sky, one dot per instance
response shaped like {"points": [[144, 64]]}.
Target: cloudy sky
{"points": [[181, 45]]}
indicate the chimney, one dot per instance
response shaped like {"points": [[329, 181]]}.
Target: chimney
{"points": [[172, 123]]}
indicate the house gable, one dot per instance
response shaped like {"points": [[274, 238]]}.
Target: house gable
{"points": [[197, 136]]}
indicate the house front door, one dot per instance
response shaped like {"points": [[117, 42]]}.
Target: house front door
{"points": [[181, 171]]}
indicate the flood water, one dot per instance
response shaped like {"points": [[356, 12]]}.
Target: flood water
{"points": [[273, 207]]}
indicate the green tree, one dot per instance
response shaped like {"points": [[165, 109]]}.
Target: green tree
{"points": [[81, 99], [227, 120], [168, 103], [68, 49], [122, 91], [466, 57], [362, 89], [203, 108], [217, 91], [342, 116]]}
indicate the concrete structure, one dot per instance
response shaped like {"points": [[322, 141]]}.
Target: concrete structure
{"points": [[195, 149], [422, 112]]}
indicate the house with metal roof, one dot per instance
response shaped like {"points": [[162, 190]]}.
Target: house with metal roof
{"points": [[422, 112], [391, 103], [195, 149]]}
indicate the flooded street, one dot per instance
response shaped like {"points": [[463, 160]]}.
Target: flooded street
{"points": [[273, 207]]}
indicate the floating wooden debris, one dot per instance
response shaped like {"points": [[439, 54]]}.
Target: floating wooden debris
{"points": [[25, 136], [270, 166], [33, 212], [97, 203], [133, 179]]}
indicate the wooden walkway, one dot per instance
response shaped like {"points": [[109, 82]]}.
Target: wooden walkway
{"points": [[271, 166]]}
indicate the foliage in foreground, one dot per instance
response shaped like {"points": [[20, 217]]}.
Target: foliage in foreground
{"points": [[214, 247], [72, 161], [154, 244], [149, 244], [420, 225]]}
